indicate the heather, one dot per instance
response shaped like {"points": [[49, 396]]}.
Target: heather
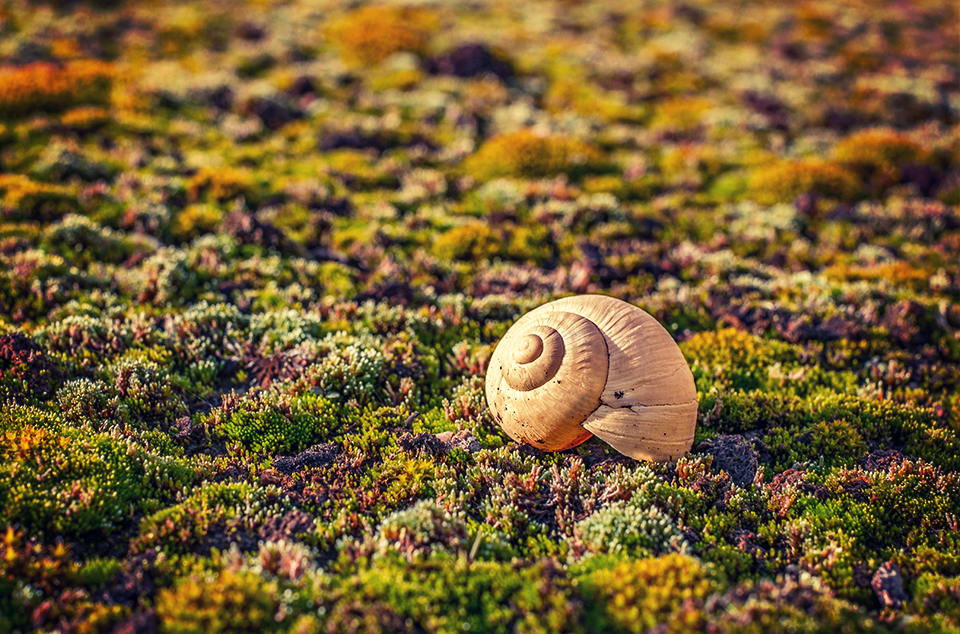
{"points": [[255, 258]]}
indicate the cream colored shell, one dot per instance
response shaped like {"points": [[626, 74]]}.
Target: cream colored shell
{"points": [[593, 365]]}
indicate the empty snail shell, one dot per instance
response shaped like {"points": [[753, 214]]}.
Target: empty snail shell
{"points": [[593, 365]]}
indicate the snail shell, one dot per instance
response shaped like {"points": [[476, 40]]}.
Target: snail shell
{"points": [[593, 365]]}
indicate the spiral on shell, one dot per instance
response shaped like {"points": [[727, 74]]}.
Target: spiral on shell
{"points": [[593, 365]]}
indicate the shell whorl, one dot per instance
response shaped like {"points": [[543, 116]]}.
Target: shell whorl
{"points": [[593, 365], [534, 359], [546, 376]]}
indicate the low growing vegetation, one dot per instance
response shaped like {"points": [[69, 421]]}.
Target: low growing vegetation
{"points": [[255, 258]]}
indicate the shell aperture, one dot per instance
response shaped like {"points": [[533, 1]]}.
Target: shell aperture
{"points": [[593, 364]]}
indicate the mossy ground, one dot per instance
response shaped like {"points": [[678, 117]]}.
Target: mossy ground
{"points": [[254, 259]]}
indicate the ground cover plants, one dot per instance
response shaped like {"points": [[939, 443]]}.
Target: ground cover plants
{"points": [[255, 257]]}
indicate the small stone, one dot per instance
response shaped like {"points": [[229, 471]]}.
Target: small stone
{"points": [[466, 441], [287, 526], [883, 460], [470, 60], [459, 440], [733, 454], [316, 456], [424, 444], [887, 583]]}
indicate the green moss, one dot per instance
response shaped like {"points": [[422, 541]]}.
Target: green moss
{"points": [[265, 423], [213, 515], [82, 242], [937, 597], [410, 207], [98, 480], [133, 393], [907, 507], [837, 441], [799, 429], [454, 595]]}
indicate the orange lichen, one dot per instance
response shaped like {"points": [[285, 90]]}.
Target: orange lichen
{"points": [[85, 117], [29, 443], [46, 86], [370, 35]]}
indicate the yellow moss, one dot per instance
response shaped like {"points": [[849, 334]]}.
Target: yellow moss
{"points": [[609, 183], [16, 187], [66, 48], [85, 117], [230, 602], [525, 154], [815, 20], [687, 158], [896, 273], [785, 180], [369, 35], [46, 86], [679, 114], [732, 27], [196, 220], [396, 80], [484, 94], [408, 478], [572, 93], [728, 346], [183, 26], [879, 153], [474, 242], [639, 595], [531, 244], [356, 167], [220, 184], [23, 198]]}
